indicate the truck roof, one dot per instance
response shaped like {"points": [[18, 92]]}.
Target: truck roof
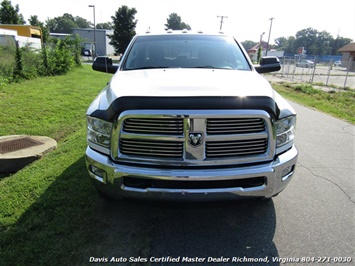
{"points": [[179, 32]]}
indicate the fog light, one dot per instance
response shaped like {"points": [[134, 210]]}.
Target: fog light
{"points": [[99, 173], [287, 172]]}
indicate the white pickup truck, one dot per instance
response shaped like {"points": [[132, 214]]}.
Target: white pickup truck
{"points": [[186, 116]]}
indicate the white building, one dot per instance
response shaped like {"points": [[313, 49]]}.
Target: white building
{"points": [[25, 35], [7, 37], [102, 40]]}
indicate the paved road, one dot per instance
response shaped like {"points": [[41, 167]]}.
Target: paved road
{"points": [[316, 214], [313, 217]]}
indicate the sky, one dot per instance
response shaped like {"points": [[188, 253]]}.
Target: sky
{"points": [[245, 19]]}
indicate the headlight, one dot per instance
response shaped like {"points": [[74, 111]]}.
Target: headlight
{"points": [[285, 130], [99, 131]]}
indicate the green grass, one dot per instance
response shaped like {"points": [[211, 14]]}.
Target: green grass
{"points": [[48, 209], [340, 104], [44, 105], [50, 214]]}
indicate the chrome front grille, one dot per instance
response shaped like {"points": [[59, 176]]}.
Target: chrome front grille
{"points": [[168, 137]]}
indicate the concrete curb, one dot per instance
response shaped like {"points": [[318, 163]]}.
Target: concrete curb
{"points": [[12, 161]]}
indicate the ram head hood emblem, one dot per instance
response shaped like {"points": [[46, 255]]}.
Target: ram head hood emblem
{"points": [[195, 139]]}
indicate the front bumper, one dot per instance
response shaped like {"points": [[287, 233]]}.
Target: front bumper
{"points": [[109, 177]]}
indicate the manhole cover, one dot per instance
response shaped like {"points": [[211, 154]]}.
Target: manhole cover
{"points": [[17, 144]]}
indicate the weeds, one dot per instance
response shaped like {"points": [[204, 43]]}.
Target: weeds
{"points": [[56, 58], [340, 104], [306, 88]]}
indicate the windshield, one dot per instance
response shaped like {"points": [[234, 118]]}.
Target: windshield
{"points": [[185, 51]]}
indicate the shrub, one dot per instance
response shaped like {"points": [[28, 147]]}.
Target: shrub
{"points": [[59, 60], [7, 63], [18, 70], [62, 55], [31, 62], [306, 88], [56, 58]]}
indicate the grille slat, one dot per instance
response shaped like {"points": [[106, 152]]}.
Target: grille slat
{"points": [[234, 126], [148, 143], [151, 148], [236, 148], [247, 143], [231, 154], [170, 126]]}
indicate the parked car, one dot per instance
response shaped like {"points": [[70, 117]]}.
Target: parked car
{"points": [[85, 52], [305, 63], [337, 63], [187, 116]]}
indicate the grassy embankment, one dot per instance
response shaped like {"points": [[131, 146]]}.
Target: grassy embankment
{"points": [[340, 104], [47, 210]]}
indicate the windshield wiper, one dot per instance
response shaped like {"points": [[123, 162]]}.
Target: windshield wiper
{"points": [[147, 67], [208, 66], [212, 67]]}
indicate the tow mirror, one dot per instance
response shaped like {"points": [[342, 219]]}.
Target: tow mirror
{"points": [[104, 64], [268, 64]]}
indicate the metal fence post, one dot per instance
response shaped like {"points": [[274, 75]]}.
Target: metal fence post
{"points": [[330, 68], [314, 70], [350, 64]]}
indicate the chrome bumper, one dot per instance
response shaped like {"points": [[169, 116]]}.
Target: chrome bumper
{"points": [[108, 178]]}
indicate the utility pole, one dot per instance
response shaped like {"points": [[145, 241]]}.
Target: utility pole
{"points": [[222, 17], [268, 40], [259, 55], [94, 52]]}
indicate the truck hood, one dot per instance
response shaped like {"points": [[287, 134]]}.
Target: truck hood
{"points": [[187, 83], [199, 89]]}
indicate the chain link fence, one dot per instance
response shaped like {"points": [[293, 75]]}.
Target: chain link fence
{"points": [[327, 73]]}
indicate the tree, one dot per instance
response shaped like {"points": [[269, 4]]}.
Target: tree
{"points": [[324, 43], [248, 44], [280, 42], [290, 47], [319, 43], [66, 23], [82, 23], [338, 43], [259, 54], [314, 42], [307, 38], [124, 25], [285, 44], [104, 26], [63, 24], [34, 21], [18, 69], [10, 14], [174, 22]]}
